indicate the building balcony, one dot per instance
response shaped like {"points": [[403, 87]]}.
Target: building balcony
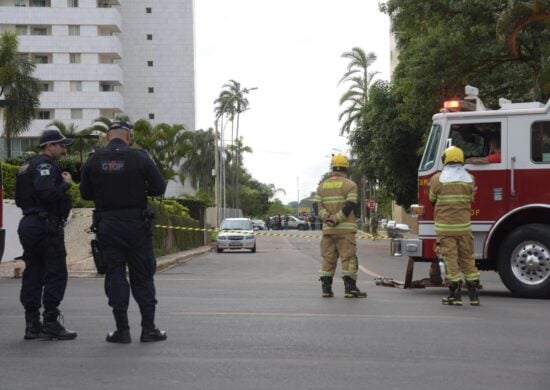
{"points": [[61, 16], [83, 72], [70, 44], [84, 100]]}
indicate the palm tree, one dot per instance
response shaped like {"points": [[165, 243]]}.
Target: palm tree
{"points": [[199, 161], [167, 145], [232, 102], [237, 150], [357, 96], [19, 90]]}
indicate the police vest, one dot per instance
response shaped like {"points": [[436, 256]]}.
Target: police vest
{"points": [[26, 196], [117, 180]]}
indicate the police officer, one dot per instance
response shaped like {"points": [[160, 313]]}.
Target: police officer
{"points": [[335, 200], [451, 192], [41, 193], [118, 179]]}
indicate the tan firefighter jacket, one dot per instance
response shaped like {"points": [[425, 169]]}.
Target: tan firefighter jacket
{"points": [[453, 202], [332, 195]]}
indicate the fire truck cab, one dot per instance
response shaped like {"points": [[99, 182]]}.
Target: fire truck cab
{"points": [[508, 152]]}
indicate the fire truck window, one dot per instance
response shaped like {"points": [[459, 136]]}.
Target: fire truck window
{"points": [[540, 142], [475, 139], [428, 159]]}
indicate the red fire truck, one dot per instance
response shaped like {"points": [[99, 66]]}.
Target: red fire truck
{"points": [[511, 209]]}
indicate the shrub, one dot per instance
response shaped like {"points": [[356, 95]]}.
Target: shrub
{"points": [[9, 172]]}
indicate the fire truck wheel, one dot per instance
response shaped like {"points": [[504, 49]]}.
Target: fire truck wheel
{"points": [[524, 261]]}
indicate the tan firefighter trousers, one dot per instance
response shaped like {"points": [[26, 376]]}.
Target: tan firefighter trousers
{"points": [[458, 254], [334, 246]]}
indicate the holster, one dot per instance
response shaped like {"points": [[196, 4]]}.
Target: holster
{"points": [[99, 262], [150, 216]]}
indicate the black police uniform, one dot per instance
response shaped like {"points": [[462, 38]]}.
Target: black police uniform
{"points": [[42, 195], [118, 179]]}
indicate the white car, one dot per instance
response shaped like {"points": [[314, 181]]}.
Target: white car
{"points": [[236, 233], [258, 224]]}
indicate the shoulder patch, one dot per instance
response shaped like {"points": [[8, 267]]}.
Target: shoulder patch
{"points": [[44, 169], [23, 169]]}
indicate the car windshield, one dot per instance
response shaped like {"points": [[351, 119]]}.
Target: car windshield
{"points": [[236, 225]]}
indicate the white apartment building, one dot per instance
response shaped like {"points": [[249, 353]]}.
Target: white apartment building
{"points": [[102, 58]]}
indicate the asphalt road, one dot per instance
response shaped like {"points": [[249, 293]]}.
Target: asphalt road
{"points": [[257, 321]]}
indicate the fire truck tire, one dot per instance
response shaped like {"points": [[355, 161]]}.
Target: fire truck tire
{"points": [[524, 261]]}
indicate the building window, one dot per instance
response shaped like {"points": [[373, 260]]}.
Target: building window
{"points": [[149, 37], [151, 116], [45, 87], [74, 30], [148, 10], [39, 31], [21, 30], [74, 58], [76, 86], [72, 3], [40, 59], [106, 87], [20, 3], [38, 3], [151, 90], [43, 114], [21, 145], [76, 113], [149, 63]]}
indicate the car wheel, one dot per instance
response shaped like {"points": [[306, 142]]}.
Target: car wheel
{"points": [[524, 261], [219, 250], [301, 227], [253, 250]]}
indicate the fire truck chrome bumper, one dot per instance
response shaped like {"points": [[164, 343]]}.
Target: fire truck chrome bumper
{"points": [[406, 247]]}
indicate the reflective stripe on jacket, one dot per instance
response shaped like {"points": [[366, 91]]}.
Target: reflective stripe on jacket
{"points": [[453, 202], [332, 194]]}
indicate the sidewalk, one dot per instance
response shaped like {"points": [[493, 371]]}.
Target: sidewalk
{"points": [[79, 259]]}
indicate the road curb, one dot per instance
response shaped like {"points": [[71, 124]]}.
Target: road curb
{"points": [[15, 269]]}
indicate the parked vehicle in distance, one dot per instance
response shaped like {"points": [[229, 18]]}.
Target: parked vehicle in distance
{"points": [[236, 233], [258, 224], [293, 223]]}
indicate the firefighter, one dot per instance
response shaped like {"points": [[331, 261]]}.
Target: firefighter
{"points": [[335, 200], [451, 192]]}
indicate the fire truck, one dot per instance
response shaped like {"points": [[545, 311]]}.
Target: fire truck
{"points": [[510, 213]]}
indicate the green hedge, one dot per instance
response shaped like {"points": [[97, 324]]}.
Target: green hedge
{"points": [[165, 240], [9, 172]]}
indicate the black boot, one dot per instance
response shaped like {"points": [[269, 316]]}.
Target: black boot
{"points": [[53, 329], [473, 290], [351, 288], [455, 297], [33, 326], [122, 333], [149, 331], [327, 286]]}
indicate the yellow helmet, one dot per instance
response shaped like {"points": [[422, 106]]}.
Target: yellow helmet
{"points": [[339, 161], [453, 154]]}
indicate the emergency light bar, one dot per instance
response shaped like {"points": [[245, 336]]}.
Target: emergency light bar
{"points": [[458, 105]]}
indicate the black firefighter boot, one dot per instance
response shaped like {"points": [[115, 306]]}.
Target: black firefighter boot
{"points": [[149, 331], [122, 333], [53, 329], [473, 290], [351, 288], [455, 297], [327, 286], [33, 326]]}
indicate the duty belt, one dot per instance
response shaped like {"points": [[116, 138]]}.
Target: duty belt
{"points": [[122, 213]]}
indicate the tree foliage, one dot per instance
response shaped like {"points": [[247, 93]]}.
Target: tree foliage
{"points": [[19, 90]]}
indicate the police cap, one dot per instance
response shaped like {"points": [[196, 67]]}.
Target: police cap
{"points": [[54, 136], [120, 125]]}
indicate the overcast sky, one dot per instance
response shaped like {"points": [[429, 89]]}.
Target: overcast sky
{"points": [[291, 51]]}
